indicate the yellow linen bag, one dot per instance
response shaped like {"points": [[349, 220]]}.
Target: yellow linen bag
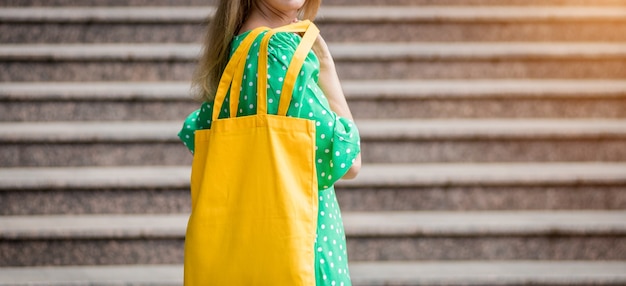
{"points": [[253, 184]]}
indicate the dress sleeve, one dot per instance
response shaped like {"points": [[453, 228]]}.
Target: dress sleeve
{"points": [[195, 121], [346, 147], [335, 160]]}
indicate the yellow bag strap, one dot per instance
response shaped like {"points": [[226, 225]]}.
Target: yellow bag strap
{"points": [[234, 65], [308, 39]]}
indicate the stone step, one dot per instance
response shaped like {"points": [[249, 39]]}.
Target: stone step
{"points": [[372, 51], [172, 62], [384, 141], [496, 140], [379, 99], [388, 236], [429, 273], [398, 187], [89, 3], [486, 235], [338, 24]]}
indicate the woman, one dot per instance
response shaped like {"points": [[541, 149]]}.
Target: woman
{"points": [[317, 96]]}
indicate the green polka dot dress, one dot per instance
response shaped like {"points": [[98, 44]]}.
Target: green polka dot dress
{"points": [[337, 141]]}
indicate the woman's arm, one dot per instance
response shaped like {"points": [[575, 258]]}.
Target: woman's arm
{"points": [[329, 82]]}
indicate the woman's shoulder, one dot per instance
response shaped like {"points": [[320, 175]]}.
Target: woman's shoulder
{"points": [[287, 39], [281, 43]]}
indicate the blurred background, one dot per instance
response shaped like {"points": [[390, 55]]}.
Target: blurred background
{"points": [[494, 140]]}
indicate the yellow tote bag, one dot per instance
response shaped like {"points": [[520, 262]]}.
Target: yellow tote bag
{"points": [[253, 184]]}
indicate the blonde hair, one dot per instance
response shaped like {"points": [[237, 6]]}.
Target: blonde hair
{"points": [[227, 21]]}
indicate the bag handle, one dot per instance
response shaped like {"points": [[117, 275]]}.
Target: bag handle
{"points": [[308, 39], [234, 64], [233, 73]]}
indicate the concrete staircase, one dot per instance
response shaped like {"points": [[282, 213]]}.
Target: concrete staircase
{"points": [[494, 140]]}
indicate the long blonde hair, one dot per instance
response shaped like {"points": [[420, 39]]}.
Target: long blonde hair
{"points": [[228, 19]]}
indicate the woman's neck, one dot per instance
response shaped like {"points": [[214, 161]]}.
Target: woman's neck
{"points": [[263, 15]]}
